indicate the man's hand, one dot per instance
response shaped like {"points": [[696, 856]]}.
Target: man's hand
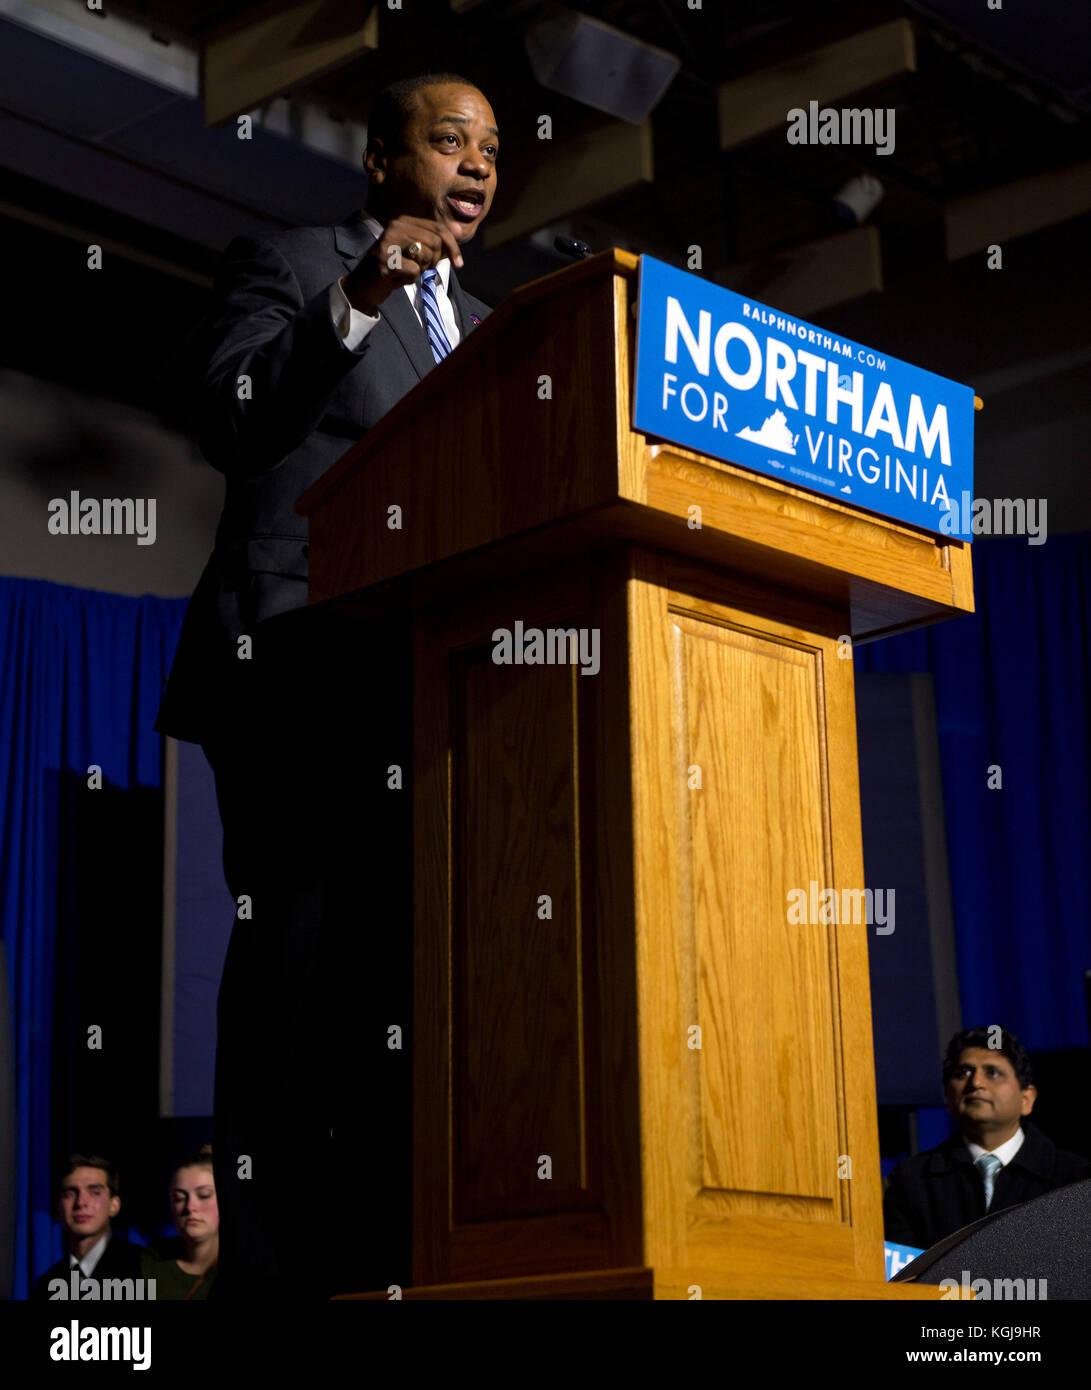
{"points": [[373, 278]]}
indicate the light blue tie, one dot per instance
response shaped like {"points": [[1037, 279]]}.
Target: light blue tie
{"points": [[988, 1165], [433, 319]]}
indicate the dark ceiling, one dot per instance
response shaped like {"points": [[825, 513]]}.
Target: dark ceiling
{"points": [[1048, 41], [996, 96]]}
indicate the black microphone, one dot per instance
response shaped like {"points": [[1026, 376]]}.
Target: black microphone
{"points": [[578, 250]]}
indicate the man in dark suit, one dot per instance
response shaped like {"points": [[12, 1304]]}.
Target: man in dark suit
{"points": [[994, 1160], [316, 333], [87, 1201]]}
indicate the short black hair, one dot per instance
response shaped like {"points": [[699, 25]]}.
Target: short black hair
{"points": [[392, 108], [75, 1161], [1010, 1047]]}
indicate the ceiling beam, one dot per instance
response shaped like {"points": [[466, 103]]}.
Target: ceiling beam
{"points": [[1015, 209], [261, 54], [759, 102], [815, 276], [572, 174]]}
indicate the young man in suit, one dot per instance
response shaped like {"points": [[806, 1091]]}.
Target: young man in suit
{"points": [[995, 1158], [87, 1201], [316, 333]]}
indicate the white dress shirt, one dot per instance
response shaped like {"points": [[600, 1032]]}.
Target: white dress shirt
{"points": [[91, 1259], [1005, 1153], [354, 325]]}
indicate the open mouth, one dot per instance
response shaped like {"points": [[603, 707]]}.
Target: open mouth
{"points": [[466, 204]]}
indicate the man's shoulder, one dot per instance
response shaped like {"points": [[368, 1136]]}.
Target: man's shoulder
{"points": [[1039, 1152], [297, 244], [1071, 1167], [57, 1271]]}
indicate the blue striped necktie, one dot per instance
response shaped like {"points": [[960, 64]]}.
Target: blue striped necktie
{"points": [[988, 1165], [433, 319]]}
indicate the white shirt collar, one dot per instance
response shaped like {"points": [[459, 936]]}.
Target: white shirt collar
{"points": [[1005, 1153], [91, 1259], [444, 266]]}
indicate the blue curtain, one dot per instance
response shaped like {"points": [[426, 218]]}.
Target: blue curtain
{"points": [[81, 676], [1013, 693]]}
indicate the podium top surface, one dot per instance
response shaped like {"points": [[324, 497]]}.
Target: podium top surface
{"points": [[603, 266]]}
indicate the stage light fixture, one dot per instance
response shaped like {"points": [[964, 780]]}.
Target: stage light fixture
{"points": [[856, 200], [592, 62]]}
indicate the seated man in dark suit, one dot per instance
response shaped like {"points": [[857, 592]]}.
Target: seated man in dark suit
{"points": [[87, 1201], [314, 335], [994, 1160]]}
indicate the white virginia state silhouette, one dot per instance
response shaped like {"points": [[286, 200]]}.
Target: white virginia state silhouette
{"points": [[774, 434]]}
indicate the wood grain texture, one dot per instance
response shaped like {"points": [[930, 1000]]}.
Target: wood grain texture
{"points": [[748, 1163], [789, 521], [456, 485], [524, 1024], [755, 828], [744, 1138], [570, 1037], [519, 983]]}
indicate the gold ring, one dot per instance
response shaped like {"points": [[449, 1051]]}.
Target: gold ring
{"points": [[413, 249]]}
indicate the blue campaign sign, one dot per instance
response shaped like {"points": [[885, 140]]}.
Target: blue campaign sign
{"points": [[896, 1257], [729, 377]]}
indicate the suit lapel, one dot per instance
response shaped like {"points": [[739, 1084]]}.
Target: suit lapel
{"points": [[399, 314], [353, 240], [462, 312]]}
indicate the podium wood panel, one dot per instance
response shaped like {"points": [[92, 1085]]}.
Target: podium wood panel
{"points": [[568, 1038], [781, 1087], [749, 726]]}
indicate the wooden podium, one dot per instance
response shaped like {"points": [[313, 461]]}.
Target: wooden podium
{"points": [[634, 1078]]}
